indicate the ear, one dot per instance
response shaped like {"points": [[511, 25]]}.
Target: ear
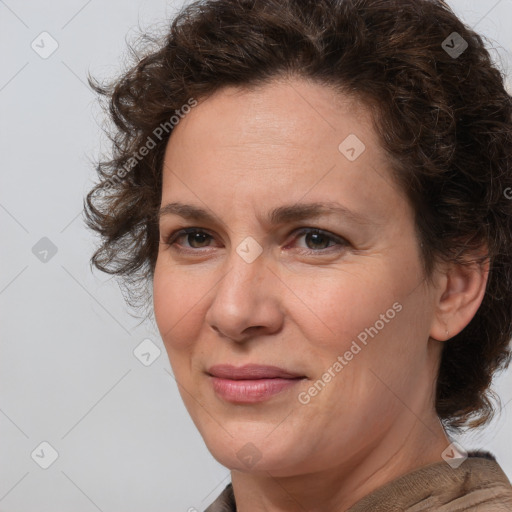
{"points": [[460, 293]]}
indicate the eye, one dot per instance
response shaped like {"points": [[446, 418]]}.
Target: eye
{"points": [[196, 237], [316, 240]]}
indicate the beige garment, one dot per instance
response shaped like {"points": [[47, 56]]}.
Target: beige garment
{"points": [[477, 485]]}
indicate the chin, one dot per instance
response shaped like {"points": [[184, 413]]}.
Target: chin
{"points": [[254, 454]]}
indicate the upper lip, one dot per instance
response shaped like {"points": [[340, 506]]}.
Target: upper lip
{"points": [[251, 371]]}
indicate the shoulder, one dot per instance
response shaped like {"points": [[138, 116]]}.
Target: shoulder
{"points": [[477, 485]]}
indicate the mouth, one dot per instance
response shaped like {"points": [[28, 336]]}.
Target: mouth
{"points": [[251, 383]]}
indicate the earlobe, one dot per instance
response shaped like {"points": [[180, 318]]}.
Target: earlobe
{"points": [[458, 298]]}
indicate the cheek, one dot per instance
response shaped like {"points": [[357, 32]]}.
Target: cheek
{"points": [[334, 308], [177, 297], [375, 321], [377, 352]]}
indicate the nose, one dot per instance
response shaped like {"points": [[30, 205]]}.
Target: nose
{"points": [[247, 300]]}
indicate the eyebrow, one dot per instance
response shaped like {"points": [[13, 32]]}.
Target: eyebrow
{"points": [[279, 215]]}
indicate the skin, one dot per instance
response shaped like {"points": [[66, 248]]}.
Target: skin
{"points": [[300, 304]]}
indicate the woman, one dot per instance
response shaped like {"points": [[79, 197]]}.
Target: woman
{"points": [[317, 193]]}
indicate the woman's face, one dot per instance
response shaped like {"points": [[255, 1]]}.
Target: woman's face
{"points": [[346, 308]]}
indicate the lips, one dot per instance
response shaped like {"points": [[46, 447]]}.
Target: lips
{"points": [[251, 372], [251, 383]]}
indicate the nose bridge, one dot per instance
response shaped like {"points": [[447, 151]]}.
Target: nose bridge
{"points": [[243, 297], [246, 269]]}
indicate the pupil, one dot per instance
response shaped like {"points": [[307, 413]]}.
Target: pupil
{"points": [[195, 238], [316, 235]]}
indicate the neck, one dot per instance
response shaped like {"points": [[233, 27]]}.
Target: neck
{"points": [[411, 444]]}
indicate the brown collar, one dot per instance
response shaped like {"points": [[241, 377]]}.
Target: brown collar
{"points": [[478, 484]]}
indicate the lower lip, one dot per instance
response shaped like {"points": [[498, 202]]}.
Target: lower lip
{"points": [[250, 391]]}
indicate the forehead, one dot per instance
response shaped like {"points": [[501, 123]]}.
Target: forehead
{"points": [[295, 112], [292, 138]]}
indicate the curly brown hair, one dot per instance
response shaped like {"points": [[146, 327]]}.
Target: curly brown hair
{"points": [[440, 108]]}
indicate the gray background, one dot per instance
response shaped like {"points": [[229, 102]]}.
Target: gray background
{"points": [[68, 373]]}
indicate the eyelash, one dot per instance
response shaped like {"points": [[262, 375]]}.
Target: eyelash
{"points": [[176, 235]]}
